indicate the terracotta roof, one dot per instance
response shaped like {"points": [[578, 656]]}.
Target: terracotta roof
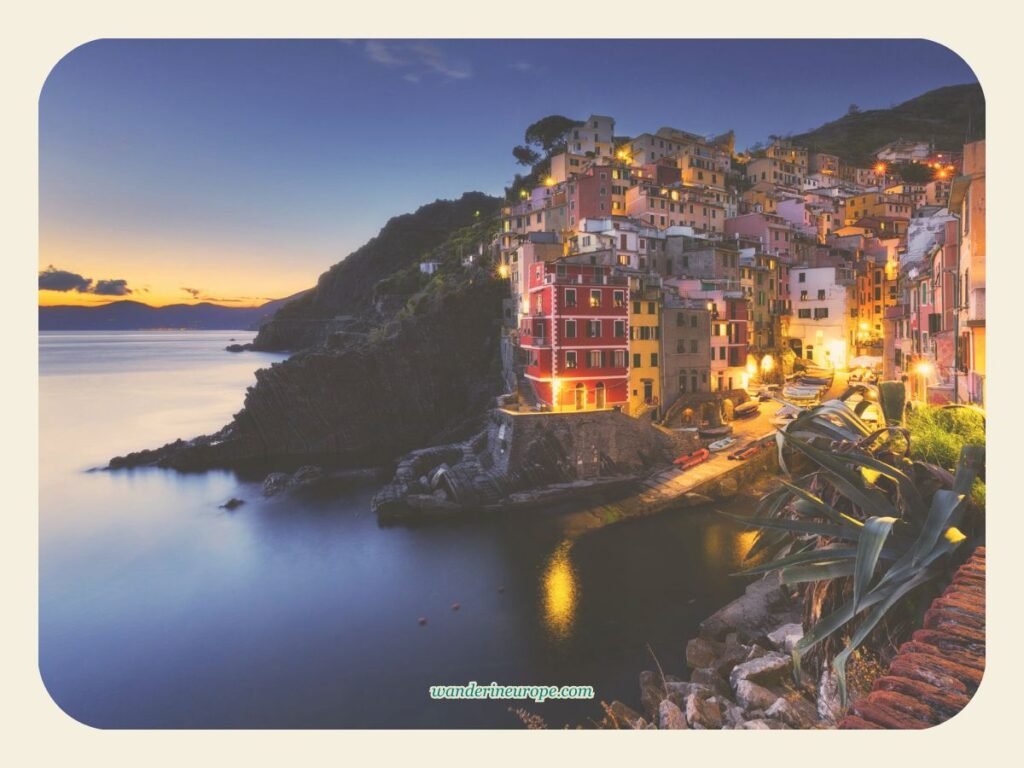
{"points": [[937, 671]]}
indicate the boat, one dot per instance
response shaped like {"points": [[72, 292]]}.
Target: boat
{"points": [[749, 408], [708, 433], [687, 460], [721, 445]]}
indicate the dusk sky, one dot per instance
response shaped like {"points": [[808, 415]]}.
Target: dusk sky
{"points": [[237, 171]]}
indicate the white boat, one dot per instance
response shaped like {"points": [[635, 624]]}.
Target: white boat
{"points": [[721, 445]]}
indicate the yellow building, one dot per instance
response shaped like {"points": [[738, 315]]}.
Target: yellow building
{"points": [[644, 345]]}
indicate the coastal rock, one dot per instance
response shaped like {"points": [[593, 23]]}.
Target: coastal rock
{"points": [[750, 696], [624, 717], [651, 693], [763, 670], [710, 677], [679, 692], [794, 711], [787, 636], [430, 377], [702, 713], [732, 715], [306, 474], [763, 725], [670, 717], [763, 606], [232, 503], [275, 482], [238, 347], [701, 652]]}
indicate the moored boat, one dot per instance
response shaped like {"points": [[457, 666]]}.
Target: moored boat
{"points": [[721, 445], [688, 460]]}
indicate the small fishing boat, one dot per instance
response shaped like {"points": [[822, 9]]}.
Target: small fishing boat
{"points": [[744, 410], [721, 445], [687, 460], [708, 433]]}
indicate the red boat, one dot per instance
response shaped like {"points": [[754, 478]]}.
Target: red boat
{"points": [[688, 460], [747, 451]]}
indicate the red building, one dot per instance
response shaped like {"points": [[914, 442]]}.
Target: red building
{"points": [[575, 333]]}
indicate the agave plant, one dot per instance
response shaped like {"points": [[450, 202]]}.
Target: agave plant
{"points": [[861, 518]]}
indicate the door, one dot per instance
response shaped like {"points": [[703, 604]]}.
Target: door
{"points": [[581, 397], [600, 395], [648, 392]]}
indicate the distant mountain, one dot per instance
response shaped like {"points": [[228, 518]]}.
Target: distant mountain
{"points": [[948, 116], [136, 316]]}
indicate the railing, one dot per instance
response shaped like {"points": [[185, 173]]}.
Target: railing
{"points": [[552, 279]]}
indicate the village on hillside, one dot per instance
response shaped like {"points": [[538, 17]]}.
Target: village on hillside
{"points": [[665, 272]]}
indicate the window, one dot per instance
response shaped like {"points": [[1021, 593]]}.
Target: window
{"points": [[721, 353], [820, 313], [682, 382], [693, 321], [651, 308], [619, 298], [595, 298], [821, 294], [654, 359], [593, 329], [680, 346], [693, 346], [802, 277], [570, 329], [595, 359], [636, 360], [636, 307], [570, 297], [620, 329], [620, 358], [803, 295], [570, 359]]}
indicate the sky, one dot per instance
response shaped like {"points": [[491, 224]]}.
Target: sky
{"points": [[237, 171]]}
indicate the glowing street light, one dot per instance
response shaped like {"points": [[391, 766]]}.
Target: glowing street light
{"points": [[503, 271], [880, 168], [767, 363]]}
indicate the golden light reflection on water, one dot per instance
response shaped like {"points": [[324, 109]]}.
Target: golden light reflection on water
{"points": [[724, 544], [560, 592]]}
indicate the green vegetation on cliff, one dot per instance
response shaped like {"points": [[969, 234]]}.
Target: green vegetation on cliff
{"points": [[347, 288], [948, 116]]}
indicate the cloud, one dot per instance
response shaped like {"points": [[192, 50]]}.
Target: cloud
{"points": [[417, 60], [112, 288], [53, 279]]}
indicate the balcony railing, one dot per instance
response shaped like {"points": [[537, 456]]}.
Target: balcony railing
{"points": [[554, 279]]}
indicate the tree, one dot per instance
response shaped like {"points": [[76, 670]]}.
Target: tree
{"points": [[525, 156], [548, 132], [853, 110]]}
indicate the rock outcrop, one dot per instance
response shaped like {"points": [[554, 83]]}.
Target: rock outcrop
{"points": [[427, 377], [525, 459]]}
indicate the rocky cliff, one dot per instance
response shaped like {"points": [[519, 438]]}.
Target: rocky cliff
{"points": [[427, 376], [344, 293]]}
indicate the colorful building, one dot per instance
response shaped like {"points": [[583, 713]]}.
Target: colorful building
{"points": [[576, 336]]}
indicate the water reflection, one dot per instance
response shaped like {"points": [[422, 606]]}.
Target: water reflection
{"points": [[560, 592]]}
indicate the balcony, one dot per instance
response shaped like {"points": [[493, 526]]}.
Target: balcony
{"points": [[897, 312]]}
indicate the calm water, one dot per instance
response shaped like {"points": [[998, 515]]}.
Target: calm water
{"points": [[160, 610]]}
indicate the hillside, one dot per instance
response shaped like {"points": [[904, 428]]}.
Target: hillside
{"points": [[948, 116], [136, 316], [347, 288]]}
